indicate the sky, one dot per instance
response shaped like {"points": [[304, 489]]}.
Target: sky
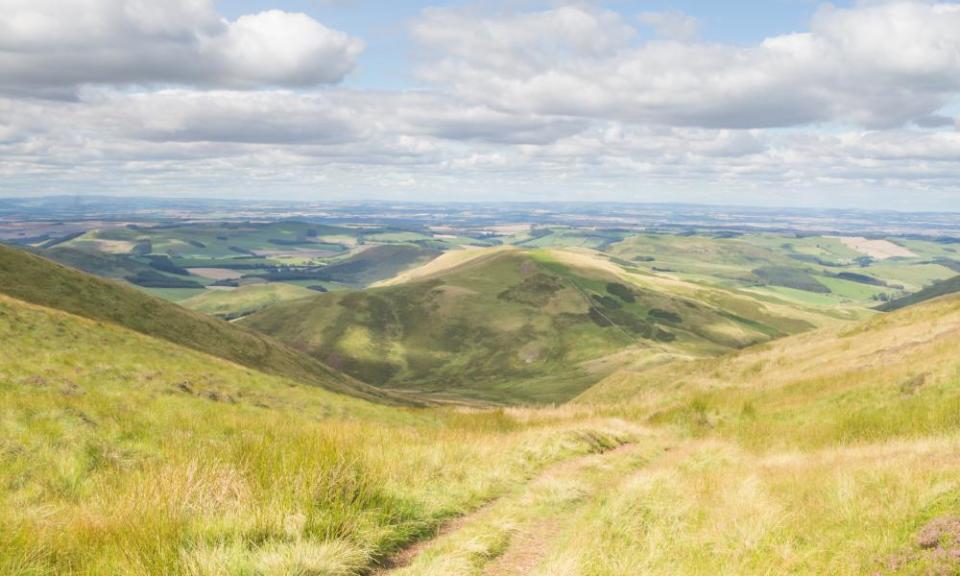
{"points": [[776, 103]]}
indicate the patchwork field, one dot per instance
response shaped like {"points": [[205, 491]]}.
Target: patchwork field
{"points": [[176, 260], [818, 270], [876, 249]]}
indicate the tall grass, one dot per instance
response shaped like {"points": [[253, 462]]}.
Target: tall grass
{"points": [[713, 508], [824, 453], [124, 455]]}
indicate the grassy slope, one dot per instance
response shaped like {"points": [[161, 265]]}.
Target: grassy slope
{"points": [[935, 290], [819, 454], [245, 300], [377, 263], [95, 262], [896, 374], [712, 507], [121, 454], [515, 326], [794, 451], [40, 281]]}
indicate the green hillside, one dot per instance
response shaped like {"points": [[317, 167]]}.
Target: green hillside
{"points": [[519, 326], [935, 290], [96, 262], [34, 279], [377, 263], [245, 300], [793, 451], [892, 376]]}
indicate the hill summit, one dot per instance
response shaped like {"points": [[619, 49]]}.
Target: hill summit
{"points": [[509, 325]]}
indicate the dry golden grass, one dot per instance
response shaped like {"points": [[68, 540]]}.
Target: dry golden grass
{"points": [[125, 455], [715, 509]]}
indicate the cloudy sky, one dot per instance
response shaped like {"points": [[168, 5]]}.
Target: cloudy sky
{"points": [[774, 102]]}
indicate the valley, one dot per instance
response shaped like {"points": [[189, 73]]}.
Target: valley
{"points": [[545, 401], [479, 288]]}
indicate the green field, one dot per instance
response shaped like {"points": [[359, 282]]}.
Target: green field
{"points": [[167, 260]]}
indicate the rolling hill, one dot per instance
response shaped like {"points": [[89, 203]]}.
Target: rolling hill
{"points": [[376, 263], [816, 269], [831, 451], [245, 300], [893, 375], [40, 281], [508, 325], [794, 450]]}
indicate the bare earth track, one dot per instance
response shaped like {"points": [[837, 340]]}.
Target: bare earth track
{"points": [[513, 535]]}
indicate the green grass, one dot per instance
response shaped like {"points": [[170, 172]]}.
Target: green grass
{"points": [[397, 237], [713, 508], [895, 376], [912, 276], [125, 455], [571, 238], [96, 262], [174, 294], [854, 291], [824, 453], [799, 296]]}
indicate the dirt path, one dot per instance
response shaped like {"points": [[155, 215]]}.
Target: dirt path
{"points": [[404, 557], [529, 547], [526, 550], [525, 522]]}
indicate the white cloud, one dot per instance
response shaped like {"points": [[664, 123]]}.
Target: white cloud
{"points": [[671, 25], [518, 44], [50, 47], [573, 101], [875, 65], [346, 141]]}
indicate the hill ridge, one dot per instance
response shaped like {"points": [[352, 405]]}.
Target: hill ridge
{"points": [[514, 325], [37, 280]]}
